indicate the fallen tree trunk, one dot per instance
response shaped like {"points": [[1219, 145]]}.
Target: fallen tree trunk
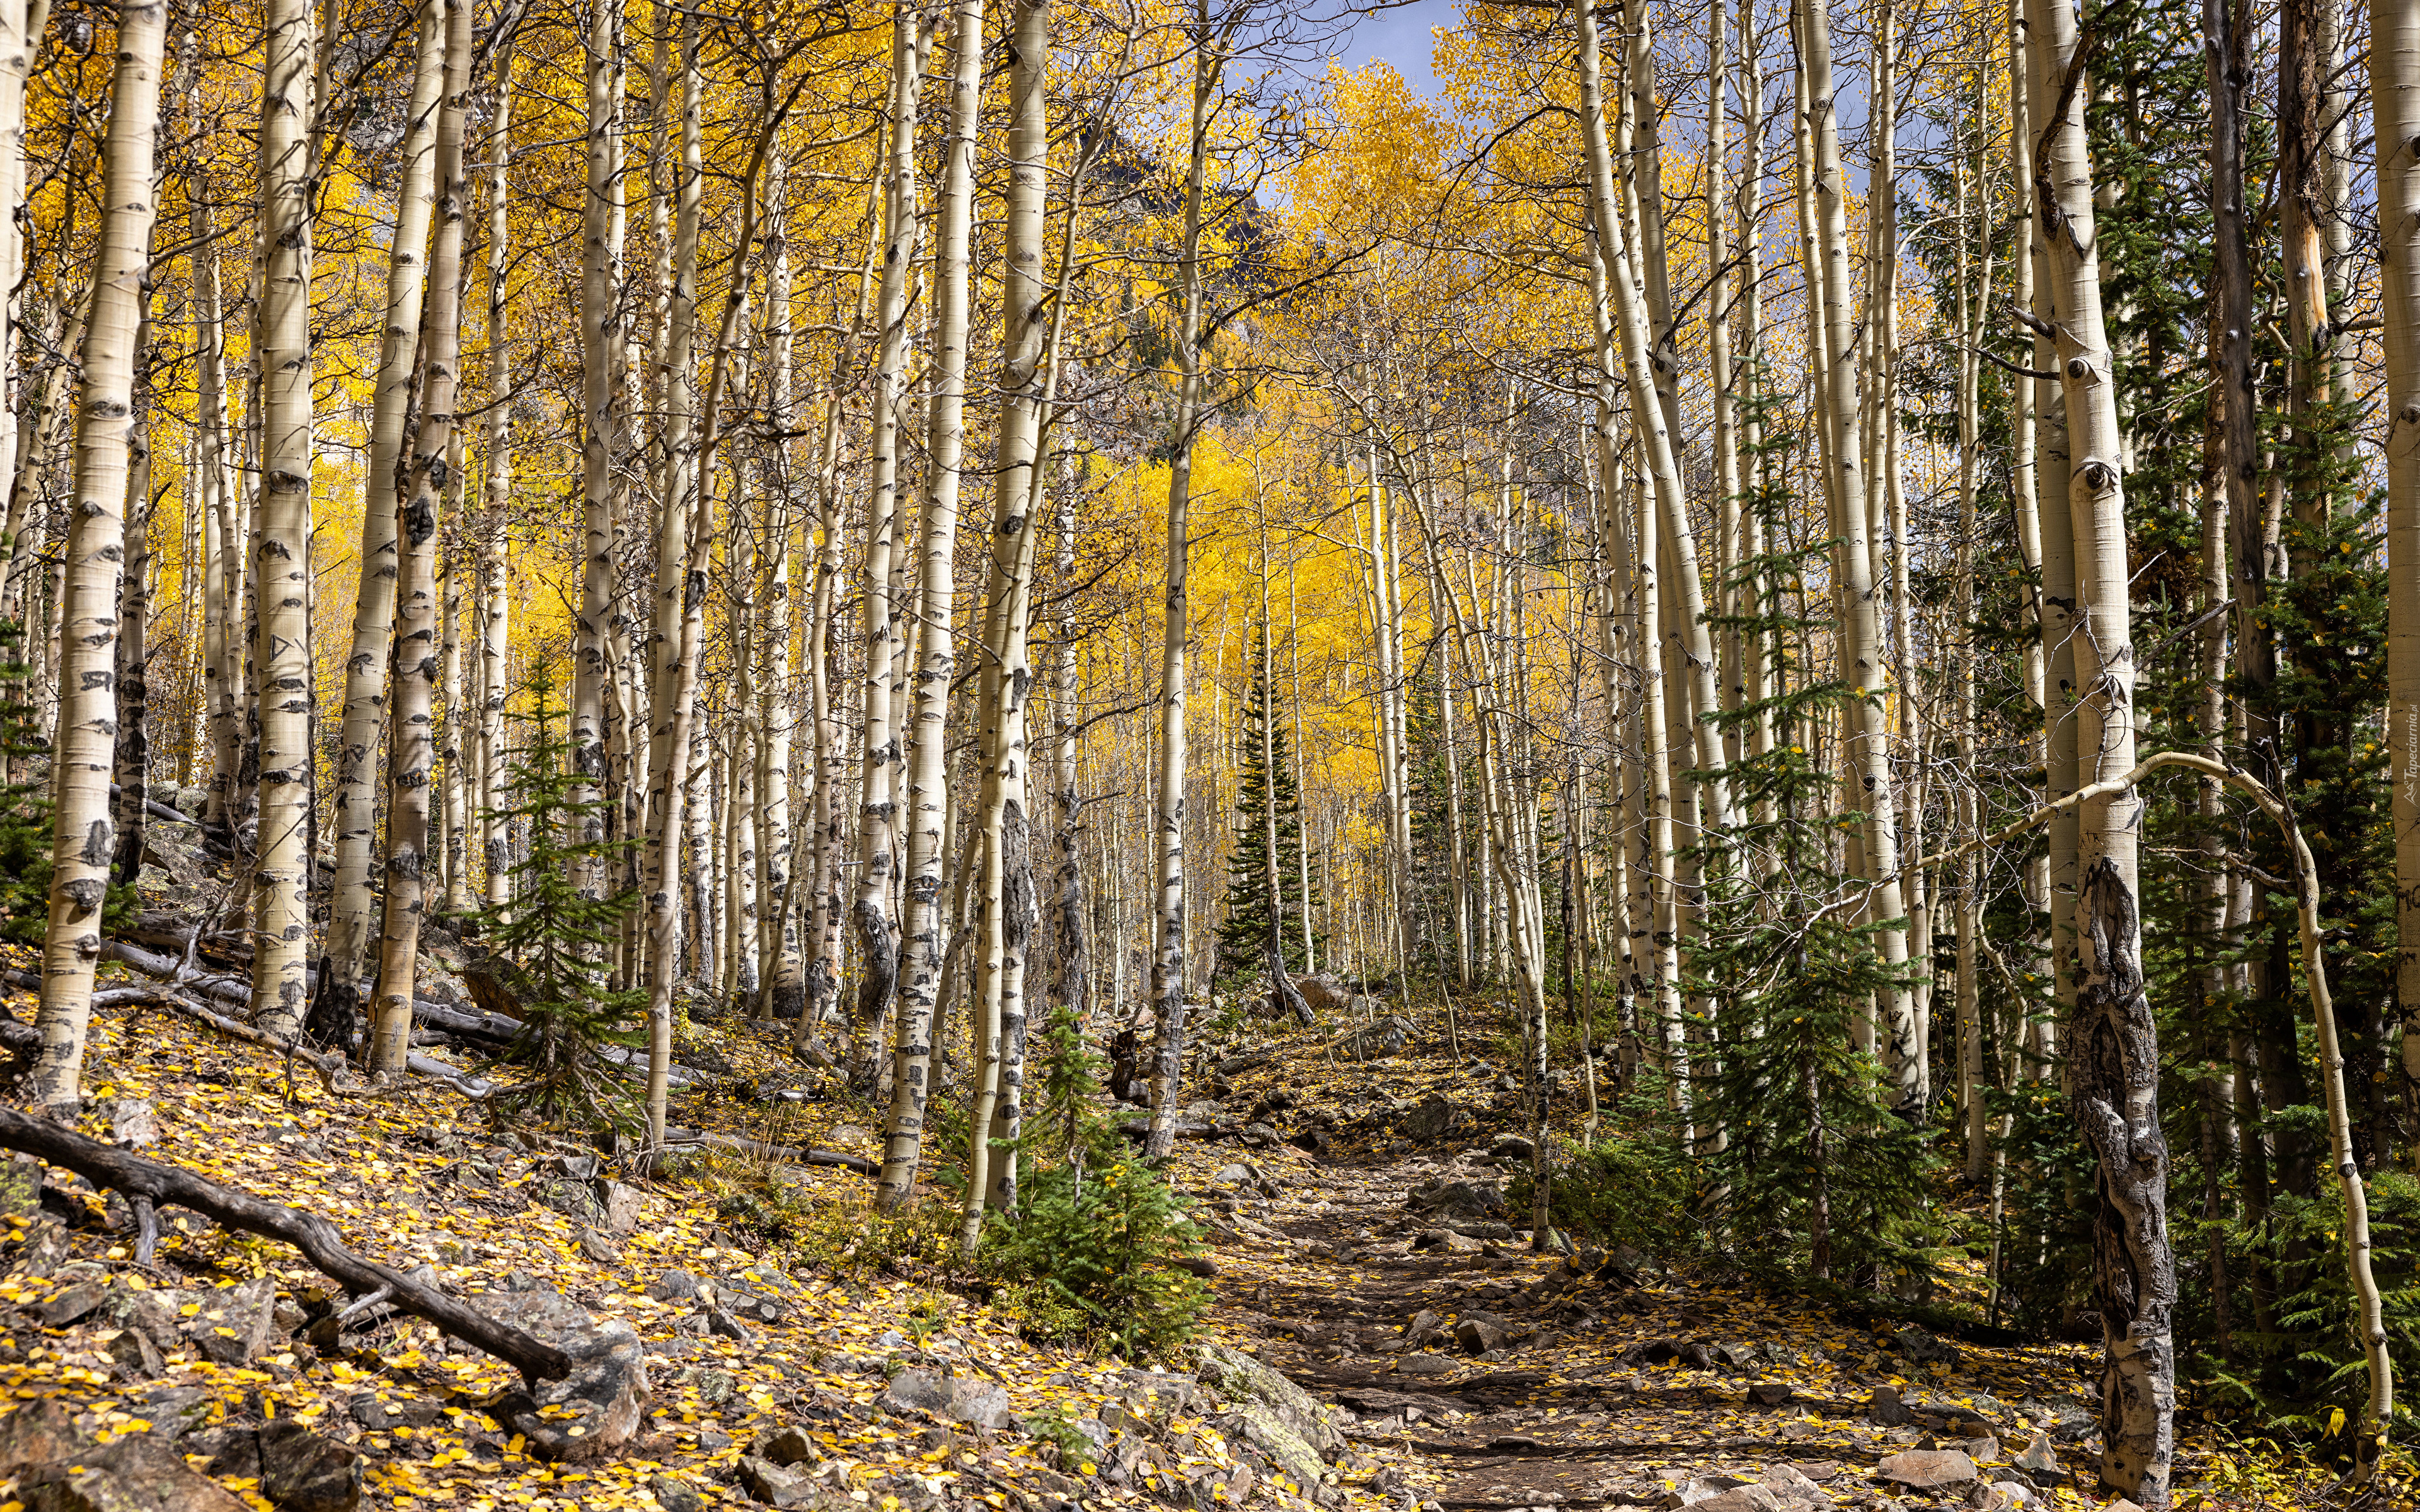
{"points": [[795, 1154], [320, 1240]]}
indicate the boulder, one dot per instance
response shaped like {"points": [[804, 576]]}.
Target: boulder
{"points": [[1426, 1365], [1920, 1346], [297, 1468], [232, 1327], [1324, 993], [1925, 1470], [675, 1494], [958, 1398], [915, 1391], [1241, 1376], [2039, 1458], [598, 1405], [37, 1433], [138, 1473], [1260, 1426], [1462, 1199], [1427, 1123], [1478, 1335]]}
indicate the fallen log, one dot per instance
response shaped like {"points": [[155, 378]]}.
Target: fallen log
{"points": [[320, 1242], [795, 1154]]}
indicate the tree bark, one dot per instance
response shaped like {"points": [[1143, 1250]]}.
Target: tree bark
{"points": [[2114, 1057], [364, 720], [923, 945], [85, 745], [411, 725]]}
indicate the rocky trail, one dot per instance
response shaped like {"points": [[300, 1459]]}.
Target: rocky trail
{"points": [[748, 1334]]}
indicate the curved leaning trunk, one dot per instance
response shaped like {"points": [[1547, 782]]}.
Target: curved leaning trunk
{"points": [[411, 727], [2113, 1057], [85, 746], [350, 901]]}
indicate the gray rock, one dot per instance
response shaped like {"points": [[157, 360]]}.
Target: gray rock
{"points": [[137, 1356], [599, 1403], [1259, 1133], [915, 1391], [2041, 1457], [723, 1325], [1887, 1409], [975, 1401], [1426, 1365], [35, 1433], [674, 1285], [1750, 1498], [1511, 1147], [1925, 1470], [1234, 1174], [675, 1494], [1427, 1123], [1478, 1335], [786, 1446], [140, 1474], [1920, 1346], [1769, 1394], [297, 1468], [1240, 1376], [233, 1326]]}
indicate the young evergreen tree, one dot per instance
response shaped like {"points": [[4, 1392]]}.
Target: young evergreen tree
{"points": [[1842, 1171], [553, 940], [1261, 917]]}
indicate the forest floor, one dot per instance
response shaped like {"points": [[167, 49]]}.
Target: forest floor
{"points": [[1440, 1363]]}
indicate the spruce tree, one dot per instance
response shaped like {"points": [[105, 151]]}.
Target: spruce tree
{"points": [[553, 940], [1257, 918]]}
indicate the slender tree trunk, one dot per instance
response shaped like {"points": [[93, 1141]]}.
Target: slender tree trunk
{"points": [[1167, 976], [604, 337], [2394, 84], [281, 577], [132, 760], [411, 729], [493, 534], [353, 900], [928, 779], [2113, 1062], [83, 745]]}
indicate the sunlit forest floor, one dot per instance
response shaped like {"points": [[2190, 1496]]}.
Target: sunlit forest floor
{"points": [[1455, 1368]]}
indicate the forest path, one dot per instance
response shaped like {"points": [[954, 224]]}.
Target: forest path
{"points": [[1380, 1273]]}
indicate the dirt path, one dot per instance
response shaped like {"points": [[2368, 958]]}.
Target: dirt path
{"points": [[1478, 1375]]}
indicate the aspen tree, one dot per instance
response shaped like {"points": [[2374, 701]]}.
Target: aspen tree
{"points": [[85, 745], [602, 339], [2395, 85], [928, 778], [781, 970], [1824, 194], [877, 831], [494, 532], [1169, 921], [131, 763], [20, 37], [411, 719], [351, 901], [281, 575], [2113, 1063], [222, 590], [1001, 833]]}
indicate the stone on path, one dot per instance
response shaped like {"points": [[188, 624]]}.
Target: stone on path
{"points": [[1925, 1470]]}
